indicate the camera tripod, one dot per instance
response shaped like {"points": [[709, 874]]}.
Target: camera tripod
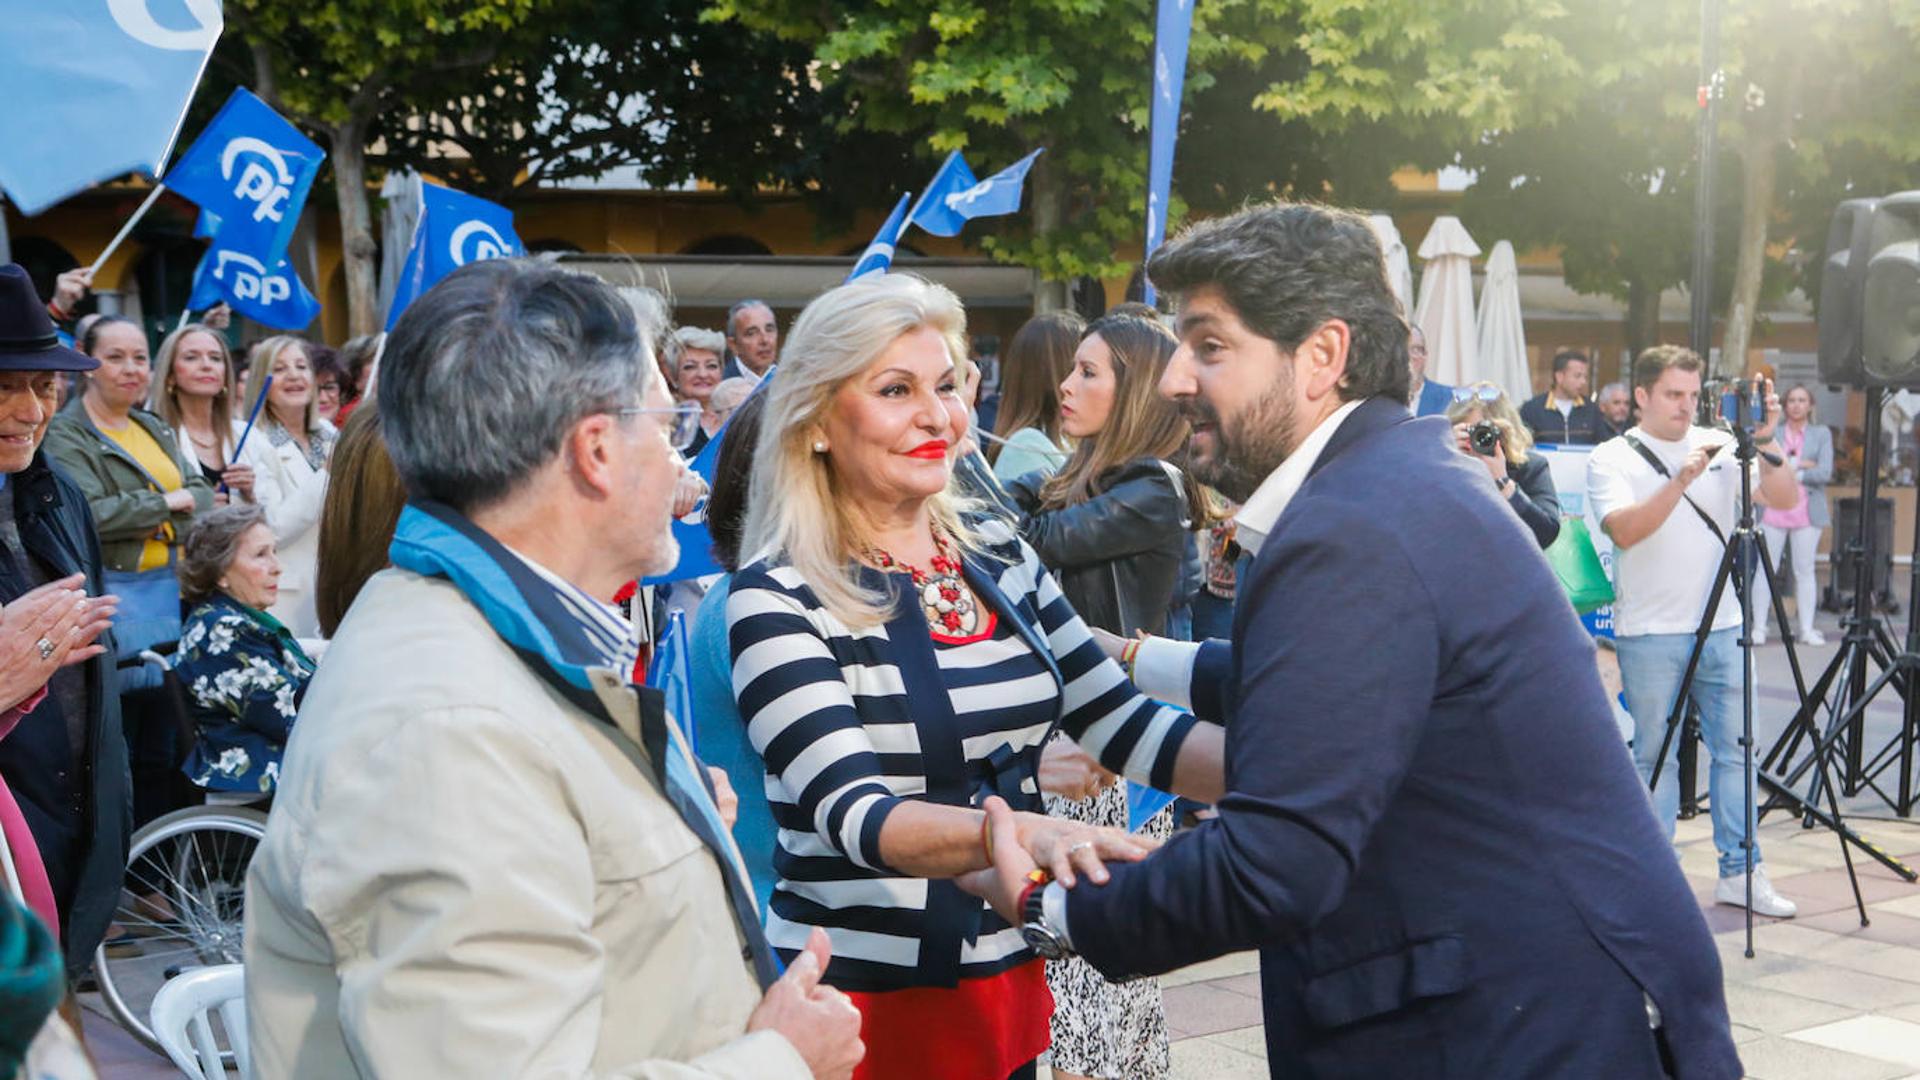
{"points": [[1845, 678], [1746, 549]]}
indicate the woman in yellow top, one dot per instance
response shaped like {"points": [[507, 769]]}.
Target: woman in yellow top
{"points": [[143, 494]]}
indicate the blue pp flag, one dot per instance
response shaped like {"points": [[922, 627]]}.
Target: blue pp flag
{"points": [[672, 672], [879, 255], [251, 170], [954, 197], [95, 90], [454, 229], [206, 226], [1172, 30], [1143, 803], [696, 543], [278, 298]]}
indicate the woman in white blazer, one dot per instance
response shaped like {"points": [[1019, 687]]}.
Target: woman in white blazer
{"points": [[288, 451]]}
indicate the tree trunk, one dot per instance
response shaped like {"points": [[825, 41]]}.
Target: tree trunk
{"points": [[1049, 203], [356, 226], [1643, 320], [1760, 168]]}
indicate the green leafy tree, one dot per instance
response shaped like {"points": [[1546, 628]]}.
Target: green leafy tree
{"points": [[332, 66]]}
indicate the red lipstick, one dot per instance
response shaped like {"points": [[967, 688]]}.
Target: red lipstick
{"points": [[935, 450]]}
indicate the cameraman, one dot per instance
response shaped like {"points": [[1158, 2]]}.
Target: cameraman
{"points": [[1487, 428], [1668, 493]]}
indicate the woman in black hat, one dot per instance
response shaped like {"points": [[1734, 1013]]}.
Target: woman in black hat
{"points": [[63, 762]]}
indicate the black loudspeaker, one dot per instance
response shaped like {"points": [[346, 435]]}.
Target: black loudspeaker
{"points": [[1890, 313], [1842, 292], [1846, 525]]}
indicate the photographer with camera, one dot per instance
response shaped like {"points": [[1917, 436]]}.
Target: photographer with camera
{"points": [[1487, 428], [1668, 493]]}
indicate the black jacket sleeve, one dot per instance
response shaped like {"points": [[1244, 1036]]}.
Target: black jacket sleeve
{"points": [[1535, 499], [1139, 509]]}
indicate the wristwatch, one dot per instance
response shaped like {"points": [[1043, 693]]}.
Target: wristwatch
{"points": [[1040, 937]]}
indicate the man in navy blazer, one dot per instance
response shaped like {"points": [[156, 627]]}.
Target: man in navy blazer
{"points": [[1431, 830]]}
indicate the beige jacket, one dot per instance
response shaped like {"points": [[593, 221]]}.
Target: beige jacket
{"points": [[462, 877]]}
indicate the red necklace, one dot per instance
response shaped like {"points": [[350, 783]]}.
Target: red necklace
{"points": [[944, 598]]}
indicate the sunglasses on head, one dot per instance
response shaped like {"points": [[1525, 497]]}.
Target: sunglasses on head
{"points": [[1481, 392]]}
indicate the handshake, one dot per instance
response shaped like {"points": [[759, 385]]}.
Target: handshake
{"points": [[1015, 855]]}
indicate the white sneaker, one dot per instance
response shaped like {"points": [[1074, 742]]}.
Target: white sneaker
{"points": [[1759, 635], [1810, 636], [1733, 891]]}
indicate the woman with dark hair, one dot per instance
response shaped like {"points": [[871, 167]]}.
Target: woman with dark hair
{"points": [[242, 669], [364, 500], [1113, 526], [329, 382], [1028, 424], [356, 359], [721, 737]]}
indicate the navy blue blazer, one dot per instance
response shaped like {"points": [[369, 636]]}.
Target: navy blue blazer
{"points": [[1431, 829]]}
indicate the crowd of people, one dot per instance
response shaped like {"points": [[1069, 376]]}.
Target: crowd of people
{"points": [[894, 837]]}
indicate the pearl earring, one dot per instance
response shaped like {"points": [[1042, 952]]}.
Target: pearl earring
{"points": [[819, 446]]}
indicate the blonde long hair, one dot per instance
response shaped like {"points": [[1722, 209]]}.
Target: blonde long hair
{"points": [[796, 509], [1515, 438], [163, 397], [260, 363]]}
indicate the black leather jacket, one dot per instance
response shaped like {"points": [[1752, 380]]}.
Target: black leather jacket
{"points": [[80, 823], [1118, 555]]}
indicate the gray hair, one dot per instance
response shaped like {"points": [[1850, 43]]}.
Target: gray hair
{"points": [[484, 376], [733, 313], [1289, 268], [210, 547], [694, 337], [1613, 386]]}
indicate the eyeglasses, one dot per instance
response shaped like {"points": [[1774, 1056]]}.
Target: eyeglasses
{"points": [[682, 425], [1479, 392]]}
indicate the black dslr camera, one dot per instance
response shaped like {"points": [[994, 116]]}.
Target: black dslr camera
{"points": [[1484, 437]]}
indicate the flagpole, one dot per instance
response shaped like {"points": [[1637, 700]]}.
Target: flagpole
{"points": [[152, 197]]}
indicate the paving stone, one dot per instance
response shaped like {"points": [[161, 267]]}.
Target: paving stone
{"points": [[1202, 1009], [1777, 1057], [1217, 968], [1251, 1041], [1880, 1037], [1839, 986], [1240, 984], [1905, 905], [1778, 1012], [1895, 930], [1206, 1059]]}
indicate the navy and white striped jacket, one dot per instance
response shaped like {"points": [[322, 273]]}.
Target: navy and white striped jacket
{"points": [[852, 723]]}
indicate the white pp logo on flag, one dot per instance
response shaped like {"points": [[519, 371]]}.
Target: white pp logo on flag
{"points": [[487, 243], [136, 18], [267, 189], [966, 198], [251, 280]]}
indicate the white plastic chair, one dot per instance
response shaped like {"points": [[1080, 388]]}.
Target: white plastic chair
{"points": [[180, 1020]]}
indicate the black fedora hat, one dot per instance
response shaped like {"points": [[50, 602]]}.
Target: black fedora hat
{"points": [[27, 340]]}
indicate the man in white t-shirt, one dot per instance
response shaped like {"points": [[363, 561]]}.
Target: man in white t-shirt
{"points": [[1666, 554]]}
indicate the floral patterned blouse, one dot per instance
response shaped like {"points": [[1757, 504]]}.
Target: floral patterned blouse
{"points": [[244, 676]]}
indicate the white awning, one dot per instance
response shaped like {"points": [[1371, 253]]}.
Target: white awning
{"points": [[709, 281]]}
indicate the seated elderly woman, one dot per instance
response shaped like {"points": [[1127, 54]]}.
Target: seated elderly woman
{"points": [[898, 662], [243, 671]]}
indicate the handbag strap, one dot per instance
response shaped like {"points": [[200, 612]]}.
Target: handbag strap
{"points": [[1660, 467]]}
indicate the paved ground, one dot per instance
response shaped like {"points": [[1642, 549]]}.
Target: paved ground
{"points": [[1823, 998]]}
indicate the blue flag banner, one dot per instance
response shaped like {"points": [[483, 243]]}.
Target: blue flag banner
{"points": [[251, 170], [696, 543], [1143, 803], [1171, 32], [672, 672], [206, 226], [454, 229], [953, 197], [879, 255], [278, 298], [95, 90]]}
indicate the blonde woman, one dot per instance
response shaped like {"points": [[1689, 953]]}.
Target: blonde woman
{"points": [[897, 663], [193, 392], [289, 449], [1521, 476]]}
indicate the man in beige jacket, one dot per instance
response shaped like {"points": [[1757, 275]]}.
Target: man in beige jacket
{"points": [[488, 856]]}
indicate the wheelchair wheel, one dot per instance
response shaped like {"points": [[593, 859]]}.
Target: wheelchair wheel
{"points": [[183, 906]]}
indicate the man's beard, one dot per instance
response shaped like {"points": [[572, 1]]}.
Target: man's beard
{"points": [[1246, 450]]}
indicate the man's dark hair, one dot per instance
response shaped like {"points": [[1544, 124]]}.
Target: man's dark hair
{"points": [[1568, 356], [1653, 363], [1288, 268]]}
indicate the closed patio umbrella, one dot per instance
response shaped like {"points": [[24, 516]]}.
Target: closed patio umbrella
{"points": [[1501, 336], [1399, 271], [1445, 310]]}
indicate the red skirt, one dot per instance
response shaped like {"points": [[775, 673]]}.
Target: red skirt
{"points": [[982, 1029]]}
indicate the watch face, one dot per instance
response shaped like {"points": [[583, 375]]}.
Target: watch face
{"points": [[1042, 941]]}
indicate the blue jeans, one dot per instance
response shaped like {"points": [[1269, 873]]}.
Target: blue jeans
{"points": [[1651, 666]]}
